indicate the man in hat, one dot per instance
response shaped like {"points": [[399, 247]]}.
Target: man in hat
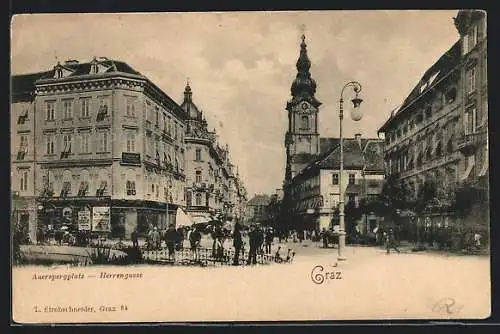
{"points": [[254, 244], [237, 243]]}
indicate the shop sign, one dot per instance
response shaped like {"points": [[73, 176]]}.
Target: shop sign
{"points": [[84, 220], [101, 219]]}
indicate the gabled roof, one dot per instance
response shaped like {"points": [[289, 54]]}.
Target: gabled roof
{"points": [[447, 63], [259, 200], [353, 156], [370, 149]]}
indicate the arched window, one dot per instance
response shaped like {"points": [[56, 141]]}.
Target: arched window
{"points": [[304, 122], [198, 199], [66, 184], [439, 149], [198, 176]]}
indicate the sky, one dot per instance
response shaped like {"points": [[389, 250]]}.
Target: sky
{"points": [[241, 65]]}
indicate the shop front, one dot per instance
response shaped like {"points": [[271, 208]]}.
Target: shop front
{"points": [[106, 217]]}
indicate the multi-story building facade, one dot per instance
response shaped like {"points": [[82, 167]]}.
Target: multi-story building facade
{"points": [[109, 143], [315, 191], [212, 188], [22, 148], [311, 187], [257, 209], [440, 130]]}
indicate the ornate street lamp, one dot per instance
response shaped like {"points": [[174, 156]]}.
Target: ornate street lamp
{"points": [[356, 116]]}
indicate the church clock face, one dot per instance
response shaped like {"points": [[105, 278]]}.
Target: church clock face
{"points": [[304, 106]]}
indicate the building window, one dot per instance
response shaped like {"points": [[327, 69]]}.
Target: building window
{"points": [[103, 110], [67, 141], [189, 198], [157, 117], [352, 179], [164, 122], [169, 128], [51, 110], [66, 189], [175, 131], [198, 199], [101, 191], [471, 80], [198, 154], [439, 149], [103, 142], [68, 109], [198, 176], [470, 121], [305, 122], [428, 112], [451, 95], [207, 200], [472, 38], [85, 139], [130, 107], [50, 144], [85, 111], [24, 180], [335, 178], [84, 187], [131, 188], [23, 147], [157, 190], [131, 142], [23, 117]]}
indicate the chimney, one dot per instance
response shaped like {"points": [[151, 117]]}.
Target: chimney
{"points": [[357, 136]]}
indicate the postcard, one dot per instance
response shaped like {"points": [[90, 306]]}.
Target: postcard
{"points": [[249, 166]]}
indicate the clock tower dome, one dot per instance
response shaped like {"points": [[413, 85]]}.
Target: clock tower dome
{"points": [[302, 137]]}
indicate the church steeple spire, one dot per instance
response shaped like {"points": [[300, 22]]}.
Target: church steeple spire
{"points": [[304, 87], [188, 94]]}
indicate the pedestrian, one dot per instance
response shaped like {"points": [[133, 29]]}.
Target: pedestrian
{"points": [[277, 255], [253, 241], [477, 240], [390, 241], [269, 240], [237, 243], [194, 240], [135, 238], [170, 240], [324, 237]]}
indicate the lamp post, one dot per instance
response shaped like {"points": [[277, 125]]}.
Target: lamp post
{"points": [[356, 116]]}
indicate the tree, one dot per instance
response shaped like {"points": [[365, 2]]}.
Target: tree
{"points": [[427, 196], [468, 196], [395, 197]]}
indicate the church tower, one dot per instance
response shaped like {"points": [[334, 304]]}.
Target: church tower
{"points": [[302, 137]]}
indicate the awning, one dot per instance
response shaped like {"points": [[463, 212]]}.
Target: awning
{"points": [[201, 220], [182, 219]]}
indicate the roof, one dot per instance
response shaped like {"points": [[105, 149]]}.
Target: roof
{"points": [[353, 156], [373, 152], [446, 64], [259, 200], [368, 155], [23, 85]]}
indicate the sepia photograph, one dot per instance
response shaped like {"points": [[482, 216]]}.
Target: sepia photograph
{"points": [[249, 166]]}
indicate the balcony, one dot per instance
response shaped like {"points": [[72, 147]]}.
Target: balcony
{"points": [[469, 143]]}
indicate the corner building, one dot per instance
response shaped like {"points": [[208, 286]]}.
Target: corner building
{"points": [[108, 138]]}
